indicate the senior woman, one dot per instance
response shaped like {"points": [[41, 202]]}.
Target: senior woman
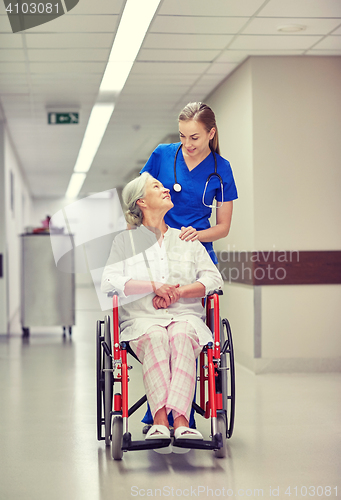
{"points": [[160, 280]]}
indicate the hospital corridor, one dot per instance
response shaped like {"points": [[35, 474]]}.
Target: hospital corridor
{"points": [[170, 217], [286, 431]]}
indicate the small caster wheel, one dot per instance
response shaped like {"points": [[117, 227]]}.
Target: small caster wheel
{"points": [[25, 332], [117, 438], [221, 425]]}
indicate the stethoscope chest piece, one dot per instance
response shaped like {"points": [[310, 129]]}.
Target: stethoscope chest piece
{"points": [[177, 187]]}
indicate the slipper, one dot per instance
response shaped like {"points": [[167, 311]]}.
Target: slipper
{"points": [[158, 432], [187, 433]]}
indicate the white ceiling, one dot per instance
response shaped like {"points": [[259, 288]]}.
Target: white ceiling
{"points": [[191, 46]]}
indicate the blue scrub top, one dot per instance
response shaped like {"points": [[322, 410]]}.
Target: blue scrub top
{"points": [[189, 209]]}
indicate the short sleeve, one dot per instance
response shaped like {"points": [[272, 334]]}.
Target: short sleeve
{"points": [[229, 186]]}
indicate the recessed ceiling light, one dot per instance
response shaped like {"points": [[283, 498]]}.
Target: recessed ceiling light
{"points": [[75, 185], [94, 132], [134, 24], [291, 28]]}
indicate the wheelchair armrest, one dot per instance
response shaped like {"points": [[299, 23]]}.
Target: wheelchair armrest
{"points": [[215, 292]]}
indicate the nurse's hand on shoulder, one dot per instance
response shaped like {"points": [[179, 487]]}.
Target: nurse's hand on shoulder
{"points": [[189, 233]]}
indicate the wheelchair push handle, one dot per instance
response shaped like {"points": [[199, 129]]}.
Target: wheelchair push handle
{"points": [[215, 327], [116, 331]]}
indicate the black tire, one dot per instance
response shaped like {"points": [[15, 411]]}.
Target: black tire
{"points": [[221, 427], [223, 365], [228, 378], [117, 438], [25, 332], [99, 380], [108, 383]]}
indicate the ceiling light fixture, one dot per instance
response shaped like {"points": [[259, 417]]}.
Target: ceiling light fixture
{"points": [[135, 21], [291, 28], [97, 125], [75, 185]]}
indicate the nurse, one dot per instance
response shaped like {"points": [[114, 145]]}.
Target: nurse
{"points": [[195, 173]]}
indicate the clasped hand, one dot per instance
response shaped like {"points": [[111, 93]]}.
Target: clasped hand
{"points": [[165, 295]]}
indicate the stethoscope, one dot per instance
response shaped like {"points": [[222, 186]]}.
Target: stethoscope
{"points": [[177, 187]]}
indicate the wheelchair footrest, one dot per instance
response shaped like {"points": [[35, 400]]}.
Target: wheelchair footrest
{"points": [[198, 444], [149, 444]]}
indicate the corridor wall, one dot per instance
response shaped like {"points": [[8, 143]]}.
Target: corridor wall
{"points": [[279, 124], [15, 214]]}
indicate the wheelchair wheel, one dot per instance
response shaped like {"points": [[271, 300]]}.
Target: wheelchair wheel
{"points": [[117, 438], [108, 382], [228, 376], [221, 425], [99, 380]]}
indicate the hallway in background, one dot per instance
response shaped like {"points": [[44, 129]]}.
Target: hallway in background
{"points": [[287, 429]]}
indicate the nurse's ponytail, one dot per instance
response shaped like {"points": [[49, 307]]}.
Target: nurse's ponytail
{"points": [[202, 113]]}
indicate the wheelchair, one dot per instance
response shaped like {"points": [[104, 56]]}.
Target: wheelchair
{"points": [[215, 376]]}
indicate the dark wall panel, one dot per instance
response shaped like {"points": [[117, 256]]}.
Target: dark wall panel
{"points": [[281, 268]]}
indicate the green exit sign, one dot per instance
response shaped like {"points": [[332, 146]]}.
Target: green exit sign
{"points": [[55, 118]]}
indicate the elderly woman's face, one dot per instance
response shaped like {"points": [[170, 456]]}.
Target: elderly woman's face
{"points": [[157, 196]]}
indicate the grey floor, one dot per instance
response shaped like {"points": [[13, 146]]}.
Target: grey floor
{"points": [[287, 431]]}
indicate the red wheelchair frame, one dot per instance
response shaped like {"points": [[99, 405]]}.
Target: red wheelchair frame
{"points": [[216, 374]]}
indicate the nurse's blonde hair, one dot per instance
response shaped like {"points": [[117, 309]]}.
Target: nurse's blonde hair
{"points": [[133, 191], [202, 113]]}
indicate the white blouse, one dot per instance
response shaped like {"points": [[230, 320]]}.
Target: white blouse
{"points": [[136, 254]]}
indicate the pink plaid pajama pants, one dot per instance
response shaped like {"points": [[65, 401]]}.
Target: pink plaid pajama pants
{"points": [[168, 357]]}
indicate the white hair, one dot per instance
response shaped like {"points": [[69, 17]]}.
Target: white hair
{"points": [[133, 191]]}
